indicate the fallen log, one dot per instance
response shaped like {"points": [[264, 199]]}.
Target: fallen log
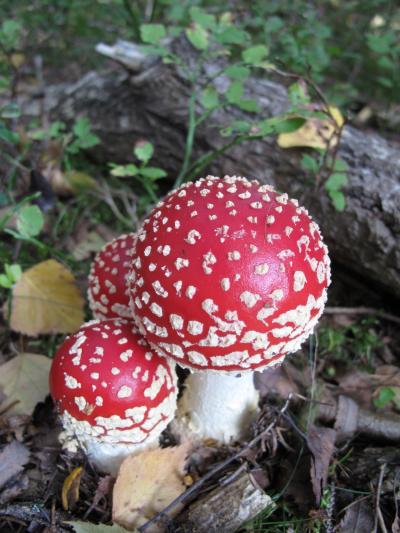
{"points": [[225, 509], [149, 100]]}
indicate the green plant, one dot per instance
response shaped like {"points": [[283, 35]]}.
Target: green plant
{"points": [[11, 275], [146, 175]]}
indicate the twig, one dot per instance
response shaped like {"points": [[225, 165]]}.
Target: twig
{"points": [[218, 468], [378, 512], [362, 311]]}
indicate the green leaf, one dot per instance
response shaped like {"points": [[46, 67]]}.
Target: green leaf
{"points": [[265, 127], [297, 94], [231, 35], [255, 54], [152, 33], [153, 173], [336, 181], [289, 124], [10, 111], [87, 527], [210, 98], [237, 126], [309, 163], [8, 135], [385, 396], [123, 171], [144, 151], [237, 72], [198, 36], [338, 199], [13, 272], [202, 18], [341, 166], [30, 221], [235, 92], [81, 127], [5, 282], [251, 106]]}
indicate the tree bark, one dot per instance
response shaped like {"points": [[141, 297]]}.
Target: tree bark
{"points": [[150, 102]]}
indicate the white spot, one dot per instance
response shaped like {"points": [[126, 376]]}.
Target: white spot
{"points": [[71, 382], [178, 287], [299, 280], [270, 219], [156, 309], [123, 341], [208, 259], [115, 371], [194, 327], [190, 291], [80, 402], [99, 401], [181, 263], [277, 294], [288, 230], [244, 195], [192, 236], [124, 392], [125, 356], [225, 284], [256, 205], [234, 256], [159, 289], [95, 375], [176, 321], [261, 269], [249, 299]]}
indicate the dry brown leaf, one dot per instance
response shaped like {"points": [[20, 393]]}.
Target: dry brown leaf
{"points": [[12, 459], [358, 518], [147, 483], [46, 300], [315, 133], [24, 382], [321, 443]]}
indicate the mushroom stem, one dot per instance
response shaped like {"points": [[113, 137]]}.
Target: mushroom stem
{"points": [[218, 406]]}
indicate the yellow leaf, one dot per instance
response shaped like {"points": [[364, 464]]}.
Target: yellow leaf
{"points": [[79, 181], [147, 483], [315, 133], [46, 300], [24, 380], [70, 489], [17, 59]]}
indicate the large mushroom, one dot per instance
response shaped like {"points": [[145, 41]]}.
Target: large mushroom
{"points": [[114, 394], [108, 293], [228, 276]]}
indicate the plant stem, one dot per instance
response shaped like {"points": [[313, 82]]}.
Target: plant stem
{"points": [[134, 16], [189, 140]]}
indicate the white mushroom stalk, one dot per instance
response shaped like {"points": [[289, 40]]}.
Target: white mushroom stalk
{"points": [[228, 276], [218, 405]]}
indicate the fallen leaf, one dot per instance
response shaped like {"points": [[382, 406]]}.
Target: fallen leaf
{"points": [[92, 242], [12, 459], [104, 489], [46, 300], [87, 527], [24, 381], [147, 483], [70, 489], [358, 518], [315, 133], [321, 443]]}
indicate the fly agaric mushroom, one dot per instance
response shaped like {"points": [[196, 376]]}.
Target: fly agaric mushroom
{"points": [[228, 276], [108, 294], [114, 394]]}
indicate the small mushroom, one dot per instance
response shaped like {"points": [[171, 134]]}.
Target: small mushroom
{"points": [[228, 277], [114, 394], [108, 293]]}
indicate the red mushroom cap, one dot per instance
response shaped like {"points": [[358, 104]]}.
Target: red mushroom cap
{"points": [[108, 384], [108, 293], [228, 274]]}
